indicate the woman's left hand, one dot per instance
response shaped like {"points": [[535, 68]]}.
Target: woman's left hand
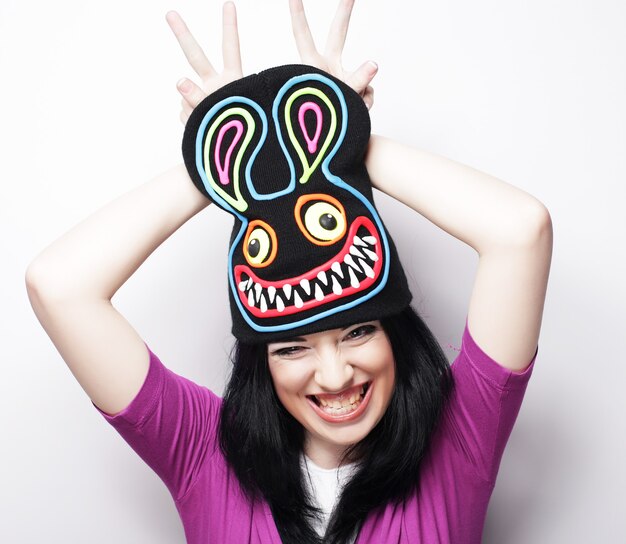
{"points": [[330, 61]]}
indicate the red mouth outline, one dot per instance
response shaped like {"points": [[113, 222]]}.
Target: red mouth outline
{"points": [[311, 275]]}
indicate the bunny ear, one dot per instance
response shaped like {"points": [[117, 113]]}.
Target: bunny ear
{"points": [[309, 110], [227, 140]]}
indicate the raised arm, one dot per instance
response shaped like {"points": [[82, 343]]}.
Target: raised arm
{"points": [[71, 283], [510, 229]]}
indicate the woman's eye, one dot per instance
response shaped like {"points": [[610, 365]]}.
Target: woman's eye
{"points": [[288, 352], [360, 332]]}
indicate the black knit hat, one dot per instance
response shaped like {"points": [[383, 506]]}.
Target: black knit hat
{"points": [[283, 152]]}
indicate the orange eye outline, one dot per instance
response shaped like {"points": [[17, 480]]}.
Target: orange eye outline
{"points": [[272, 235], [324, 198]]}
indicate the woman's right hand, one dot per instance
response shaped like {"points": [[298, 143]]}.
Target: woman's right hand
{"points": [[211, 80]]}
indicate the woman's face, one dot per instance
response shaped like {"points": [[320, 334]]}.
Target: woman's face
{"points": [[336, 383]]}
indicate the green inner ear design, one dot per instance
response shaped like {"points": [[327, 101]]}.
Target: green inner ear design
{"points": [[238, 202], [308, 169]]}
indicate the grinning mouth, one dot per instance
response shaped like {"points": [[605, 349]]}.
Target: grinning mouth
{"points": [[343, 398], [355, 268], [347, 406]]}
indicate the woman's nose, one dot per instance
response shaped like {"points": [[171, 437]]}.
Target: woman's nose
{"points": [[333, 372]]}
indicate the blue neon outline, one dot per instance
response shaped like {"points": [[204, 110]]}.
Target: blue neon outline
{"points": [[332, 179]]}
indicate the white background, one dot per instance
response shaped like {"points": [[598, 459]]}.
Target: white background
{"points": [[529, 91]]}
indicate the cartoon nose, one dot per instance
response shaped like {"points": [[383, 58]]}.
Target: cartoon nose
{"points": [[334, 372]]}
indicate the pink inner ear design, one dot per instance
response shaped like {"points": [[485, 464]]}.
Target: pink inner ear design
{"points": [[223, 171], [311, 143]]}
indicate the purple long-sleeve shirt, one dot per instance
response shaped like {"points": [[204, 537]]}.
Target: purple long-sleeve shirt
{"points": [[172, 425]]}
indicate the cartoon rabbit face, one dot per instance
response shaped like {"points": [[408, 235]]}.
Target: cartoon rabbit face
{"points": [[307, 242]]}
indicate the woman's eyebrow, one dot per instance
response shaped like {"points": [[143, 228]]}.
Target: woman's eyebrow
{"points": [[299, 338], [287, 340]]}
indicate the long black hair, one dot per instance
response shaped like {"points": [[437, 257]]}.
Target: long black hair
{"points": [[262, 442]]}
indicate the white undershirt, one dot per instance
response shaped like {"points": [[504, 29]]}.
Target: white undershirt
{"points": [[325, 485]]}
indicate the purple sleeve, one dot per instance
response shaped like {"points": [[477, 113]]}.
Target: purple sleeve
{"points": [[171, 424], [482, 409]]}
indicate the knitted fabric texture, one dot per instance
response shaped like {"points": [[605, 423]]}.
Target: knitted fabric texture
{"points": [[283, 152]]}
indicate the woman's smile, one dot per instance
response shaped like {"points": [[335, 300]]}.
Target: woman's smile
{"points": [[346, 406]]}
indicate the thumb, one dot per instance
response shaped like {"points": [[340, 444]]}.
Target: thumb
{"points": [[362, 76]]}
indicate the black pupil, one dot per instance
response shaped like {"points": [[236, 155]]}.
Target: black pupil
{"points": [[327, 221], [254, 247]]}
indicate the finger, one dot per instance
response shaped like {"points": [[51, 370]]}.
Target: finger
{"points": [[339, 30], [196, 57], [302, 32], [190, 92], [230, 39], [183, 117], [362, 76], [368, 97], [185, 107]]}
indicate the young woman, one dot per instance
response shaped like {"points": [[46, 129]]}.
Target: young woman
{"points": [[346, 426]]}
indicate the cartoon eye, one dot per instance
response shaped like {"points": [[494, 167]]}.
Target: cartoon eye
{"points": [[260, 245], [321, 218]]}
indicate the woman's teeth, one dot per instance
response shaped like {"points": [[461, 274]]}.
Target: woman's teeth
{"points": [[341, 405]]}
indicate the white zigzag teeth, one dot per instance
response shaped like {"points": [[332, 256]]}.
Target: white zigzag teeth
{"points": [[371, 254], [304, 283], [318, 293], [287, 290], [350, 261], [244, 285], [336, 268], [271, 293], [358, 241], [337, 289], [353, 281], [369, 272], [357, 261], [356, 252]]}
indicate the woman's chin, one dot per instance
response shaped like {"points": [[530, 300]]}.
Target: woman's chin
{"points": [[344, 436]]}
